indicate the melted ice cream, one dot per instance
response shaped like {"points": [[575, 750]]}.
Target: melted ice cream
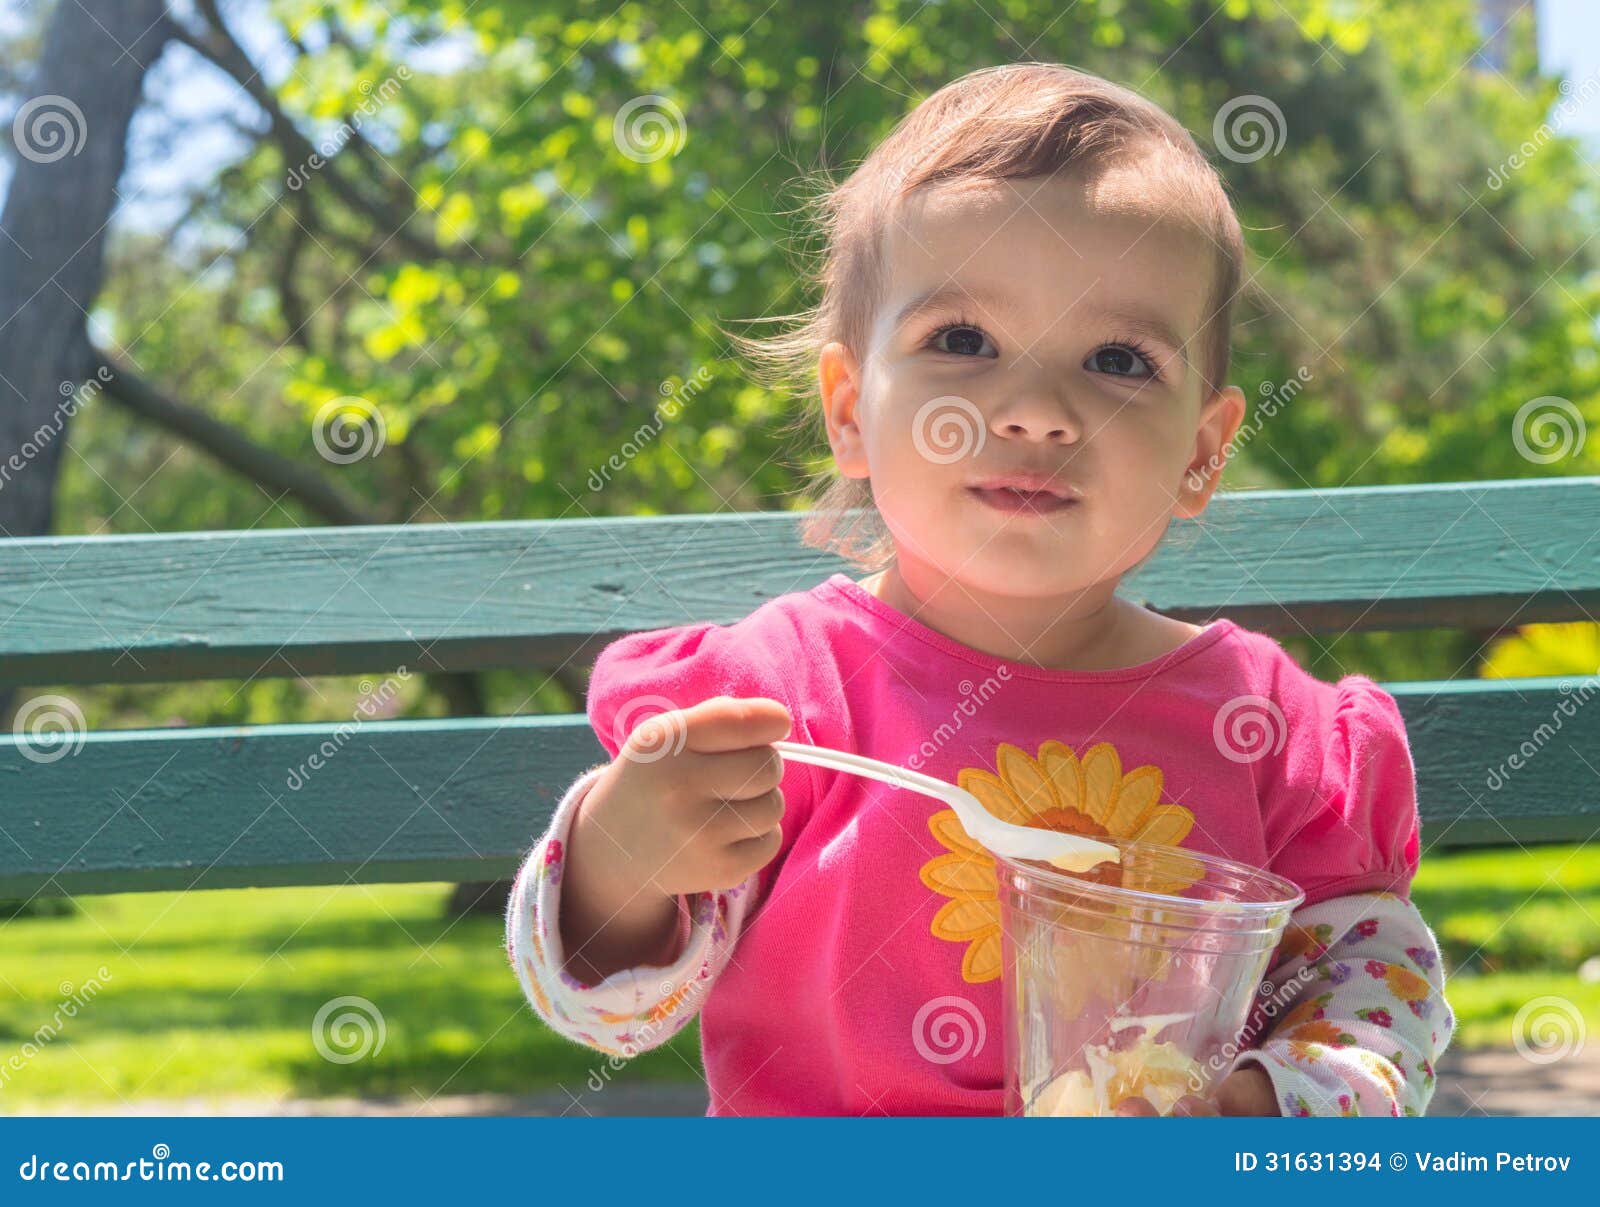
{"points": [[1159, 1072]]}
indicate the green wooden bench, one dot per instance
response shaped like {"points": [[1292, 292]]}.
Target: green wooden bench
{"points": [[461, 799]]}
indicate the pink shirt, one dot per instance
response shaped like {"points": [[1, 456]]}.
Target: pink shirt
{"points": [[873, 907]]}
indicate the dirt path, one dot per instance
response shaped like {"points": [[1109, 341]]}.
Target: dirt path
{"points": [[1489, 1082]]}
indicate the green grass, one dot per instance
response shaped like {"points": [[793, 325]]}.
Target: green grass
{"points": [[1500, 911], [1513, 926], [214, 994]]}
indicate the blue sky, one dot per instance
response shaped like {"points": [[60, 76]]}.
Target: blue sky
{"points": [[1569, 42]]}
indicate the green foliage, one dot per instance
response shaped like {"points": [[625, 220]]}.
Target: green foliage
{"points": [[517, 295]]}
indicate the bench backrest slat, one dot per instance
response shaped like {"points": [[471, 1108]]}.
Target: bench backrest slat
{"points": [[463, 799], [475, 596]]}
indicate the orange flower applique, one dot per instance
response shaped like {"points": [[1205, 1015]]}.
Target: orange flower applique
{"points": [[1055, 791]]}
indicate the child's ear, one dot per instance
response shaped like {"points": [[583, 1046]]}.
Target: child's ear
{"points": [[839, 382], [1220, 417]]}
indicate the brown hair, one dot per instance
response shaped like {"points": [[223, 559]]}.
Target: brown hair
{"points": [[1011, 122]]}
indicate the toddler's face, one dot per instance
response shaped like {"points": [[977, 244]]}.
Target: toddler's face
{"points": [[1032, 327]]}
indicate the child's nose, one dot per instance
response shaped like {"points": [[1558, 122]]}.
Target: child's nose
{"points": [[1039, 414]]}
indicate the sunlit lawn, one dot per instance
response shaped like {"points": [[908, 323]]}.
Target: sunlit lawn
{"points": [[1514, 926], [214, 994]]}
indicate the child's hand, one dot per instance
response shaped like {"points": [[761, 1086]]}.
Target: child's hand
{"points": [[691, 803], [1245, 1091]]}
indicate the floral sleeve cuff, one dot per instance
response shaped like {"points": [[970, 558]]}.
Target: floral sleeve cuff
{"points": [[1358, 982], [633, 1010]]}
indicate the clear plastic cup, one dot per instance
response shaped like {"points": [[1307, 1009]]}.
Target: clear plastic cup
{"points": [[1131, 980]]}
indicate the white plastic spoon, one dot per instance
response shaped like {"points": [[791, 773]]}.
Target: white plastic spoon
{"points": [[1070, 852]]}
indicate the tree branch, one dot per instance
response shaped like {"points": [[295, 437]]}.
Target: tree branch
{"points": [[220, 47], [462, 691], [295, 315], [272, 472]]}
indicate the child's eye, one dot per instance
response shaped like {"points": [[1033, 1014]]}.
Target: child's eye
{"points": [[962, 339], [1123, 360]]}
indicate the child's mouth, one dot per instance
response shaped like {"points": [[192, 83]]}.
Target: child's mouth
{"points": [[1025, 502]]}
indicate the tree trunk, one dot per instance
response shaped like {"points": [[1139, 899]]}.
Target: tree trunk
{"points": [[70, 136]]}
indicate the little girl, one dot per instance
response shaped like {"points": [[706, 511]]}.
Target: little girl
{"points": [[1021, 350]]}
